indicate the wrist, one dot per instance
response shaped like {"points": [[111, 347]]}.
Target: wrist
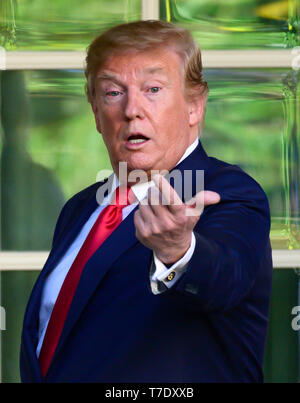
{"points": [[172, 256]]}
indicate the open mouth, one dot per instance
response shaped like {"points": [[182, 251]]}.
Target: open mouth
{"points": [[137, 139]]}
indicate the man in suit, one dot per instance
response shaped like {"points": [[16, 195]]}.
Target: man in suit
{"points": [[164, 288]]}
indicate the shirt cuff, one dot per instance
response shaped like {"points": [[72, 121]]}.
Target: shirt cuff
{"points": [[170, 275]]}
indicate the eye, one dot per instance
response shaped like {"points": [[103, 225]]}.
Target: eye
{"points": [[154, 90], [113, 93]]}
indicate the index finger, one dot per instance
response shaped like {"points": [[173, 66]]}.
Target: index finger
{"points": [[172, 200]]}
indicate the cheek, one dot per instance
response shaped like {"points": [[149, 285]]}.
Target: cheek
{"points": [[109, 128], [174, 111], [106, 119], [109, 114], [173, 122]]}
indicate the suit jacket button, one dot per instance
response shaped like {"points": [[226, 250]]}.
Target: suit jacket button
{"points": [[171, 276]]}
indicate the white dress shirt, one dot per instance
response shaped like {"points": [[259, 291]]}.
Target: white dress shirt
{"points": [[159, 272]]}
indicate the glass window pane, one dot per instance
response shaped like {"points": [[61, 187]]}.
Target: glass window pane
{"points": [[250, 122], [61, 25], [236, 24], [282, 354], [50, 151], [16, 287]]}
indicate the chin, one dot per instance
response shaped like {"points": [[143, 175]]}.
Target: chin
{"points": [[140, 163]]}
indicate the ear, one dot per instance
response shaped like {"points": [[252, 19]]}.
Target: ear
{"points": [[96, 115], [196, 110]]}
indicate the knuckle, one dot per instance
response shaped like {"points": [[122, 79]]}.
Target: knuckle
{"points": [[146, 233], [182, 218], [170, 226], [156, 230], [182, 221]]}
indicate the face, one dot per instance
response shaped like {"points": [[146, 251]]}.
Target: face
{"points": [[141, 111]]}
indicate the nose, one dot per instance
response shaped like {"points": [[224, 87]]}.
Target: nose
{"points": [[134, 105]]}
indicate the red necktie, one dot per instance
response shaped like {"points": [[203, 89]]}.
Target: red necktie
{"points": [[109, 218]]}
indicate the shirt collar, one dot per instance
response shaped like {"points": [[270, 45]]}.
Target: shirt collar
{"points": [[140, 189]]}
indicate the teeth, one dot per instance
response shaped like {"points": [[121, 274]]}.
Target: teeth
{"points": [[134, 141]]}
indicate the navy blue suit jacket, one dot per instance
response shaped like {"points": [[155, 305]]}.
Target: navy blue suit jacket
{"points": [[210, 326]]}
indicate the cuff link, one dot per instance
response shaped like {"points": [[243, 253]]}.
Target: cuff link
{"points": [[170, 276]]}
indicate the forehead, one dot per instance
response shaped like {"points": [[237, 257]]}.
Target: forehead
{"points": [[162, 61]]}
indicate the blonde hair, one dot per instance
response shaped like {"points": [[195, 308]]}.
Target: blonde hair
{"points": [[143, 36]]}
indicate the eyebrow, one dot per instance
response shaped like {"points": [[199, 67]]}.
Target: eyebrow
{"points": [[107, 76]]}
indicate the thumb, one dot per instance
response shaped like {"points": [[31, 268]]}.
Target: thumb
{"points": [[197, 203], [210, 197]]}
